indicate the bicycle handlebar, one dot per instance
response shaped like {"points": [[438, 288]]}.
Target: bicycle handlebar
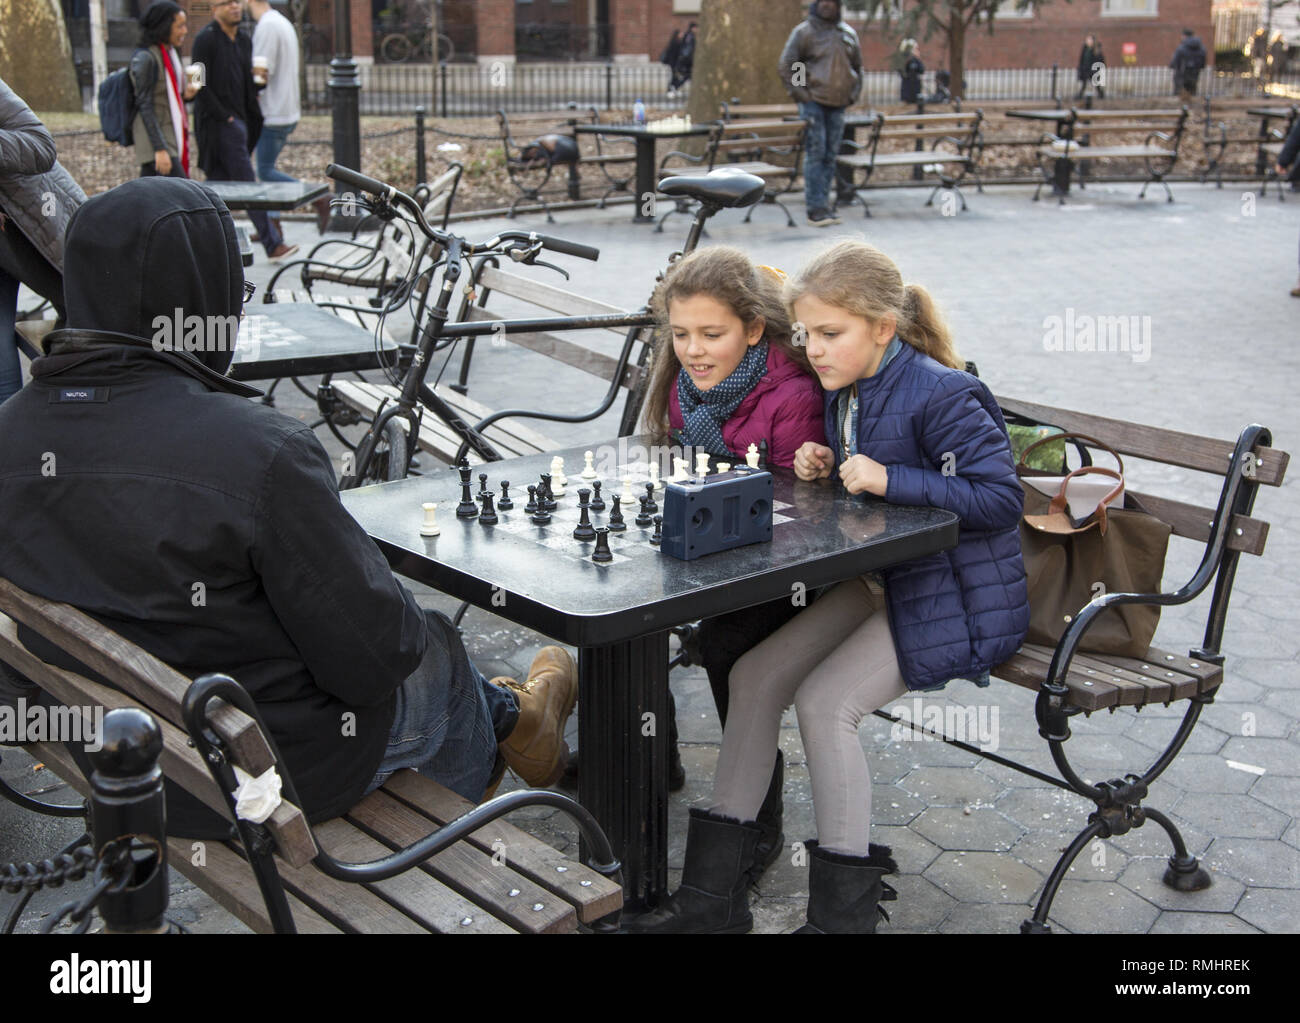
{"points": [[390, 194]]}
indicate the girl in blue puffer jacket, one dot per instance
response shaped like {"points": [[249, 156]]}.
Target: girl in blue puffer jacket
{"points": [[908, 426]]}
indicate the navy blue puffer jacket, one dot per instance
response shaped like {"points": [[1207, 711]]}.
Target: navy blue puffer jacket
{"points": [[963, 611]]}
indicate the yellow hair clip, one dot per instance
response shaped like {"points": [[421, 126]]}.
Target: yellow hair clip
{"points": [[780, 275]]}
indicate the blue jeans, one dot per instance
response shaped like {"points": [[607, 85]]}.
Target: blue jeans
{"points": [[267, 151], [449, 718], [11, 374], [231, 163], [821, 146]]}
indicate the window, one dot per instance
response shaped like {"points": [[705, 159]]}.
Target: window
{"points": [[1129, 8], [686, 6], [1007, 10]]}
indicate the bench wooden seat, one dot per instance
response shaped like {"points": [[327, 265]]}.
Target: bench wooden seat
{"points": [[466, 888], [30, 335], [956, 132], [1158, 151]]}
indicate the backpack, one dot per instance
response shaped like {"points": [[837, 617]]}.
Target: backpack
{"points": [[117, 107]]}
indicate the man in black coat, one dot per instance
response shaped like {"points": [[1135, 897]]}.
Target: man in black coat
{"points": [[227, 117], [139, 484], [1187, 62]]}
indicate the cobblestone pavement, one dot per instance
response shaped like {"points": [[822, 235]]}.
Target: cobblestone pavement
{"points": [[1208, 277]]}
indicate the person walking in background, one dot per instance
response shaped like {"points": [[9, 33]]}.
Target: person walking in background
{"points": [[911, 71], [37, 197], [1187, 62], [275, 54], [228, 120], [1092, 67], [679, 55], [821, 66], [161, 127]]}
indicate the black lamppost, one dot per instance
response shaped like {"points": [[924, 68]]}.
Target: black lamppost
{"points": [[345, 102]]}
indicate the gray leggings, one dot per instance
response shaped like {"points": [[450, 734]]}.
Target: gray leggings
{"points": [[835, 662]]}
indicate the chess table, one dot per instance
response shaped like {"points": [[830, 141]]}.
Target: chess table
{"points": [[290, 339], [619, 614], [267, 195]]}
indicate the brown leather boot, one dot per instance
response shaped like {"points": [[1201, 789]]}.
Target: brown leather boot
{"points": [[536, 750]]}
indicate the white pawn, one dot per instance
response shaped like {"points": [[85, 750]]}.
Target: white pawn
{"points": [[627, 497], [430, 527], [557, 474], [588, 470], [702, 464], [654, 476], [751, 456], [681, 470], [724, 467]]}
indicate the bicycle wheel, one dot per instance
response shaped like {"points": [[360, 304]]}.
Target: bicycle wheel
{"points": [[390, 458], [396, 48], [446, 48]]}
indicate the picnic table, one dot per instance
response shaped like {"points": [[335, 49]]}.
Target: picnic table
{"points": [[619, 614], [291, 339], [267, 195], [645, 136]]}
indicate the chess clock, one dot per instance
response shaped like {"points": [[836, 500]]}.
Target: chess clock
{"points": [[704, 515]]}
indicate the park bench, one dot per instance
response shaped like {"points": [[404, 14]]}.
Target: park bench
{"points": [[530, 172], [956, 132], [493, 878], [527, 297], [771, 149], [1162, 131], [1085, 683]]}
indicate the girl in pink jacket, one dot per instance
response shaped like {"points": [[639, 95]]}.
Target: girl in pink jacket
{"points": [[730, 378]]}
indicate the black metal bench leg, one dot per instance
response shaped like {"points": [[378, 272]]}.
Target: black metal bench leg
{"points": [[1185, 874], [1037, 924]]}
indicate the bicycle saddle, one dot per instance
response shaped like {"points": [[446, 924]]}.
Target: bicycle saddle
{"points": [[720, 188]]}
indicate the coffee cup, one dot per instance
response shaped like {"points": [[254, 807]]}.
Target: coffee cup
{"points": [[194, 75], [261, 68]]}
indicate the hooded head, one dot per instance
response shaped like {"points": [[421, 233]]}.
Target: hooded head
{"points": [[833, 19], [147, 248]]}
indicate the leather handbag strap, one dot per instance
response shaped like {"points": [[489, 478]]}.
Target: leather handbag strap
{"points": [[1090, 441], [1060, 505]]}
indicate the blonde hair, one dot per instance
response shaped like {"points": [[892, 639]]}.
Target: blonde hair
{"points": [[862, 280], [727, 275]]}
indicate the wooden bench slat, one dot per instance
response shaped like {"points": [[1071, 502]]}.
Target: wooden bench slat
{"points": [[528, 440], [598, 364], [430, 904], [539, 293], [928, 156], [1193, 522], [465, 868], [1153, 443], [1126, 693], [1025, 669], [535, 859]]}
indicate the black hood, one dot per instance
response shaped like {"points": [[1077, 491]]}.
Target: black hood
{"points": [[143, 250], [839, 11]]}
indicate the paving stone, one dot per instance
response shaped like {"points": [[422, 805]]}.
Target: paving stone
{"points": [[1207, 772], [1256, 862], [1100, 859], [981, 827], [1275, 910], [911, 851], [1101, 907], [1152, 840], [984, 877], [920, 908], [1231, 816], [1266, 722], [1201, 923], [890, 805], [985, 918], [948, 786], [1045, 807], [1278, 673], [1292, 836], [778, 916], [1279, 792], [1277, 756], [1143, 877]]}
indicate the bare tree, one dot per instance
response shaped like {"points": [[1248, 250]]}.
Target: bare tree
{"points": [[952, 19], [736, 50], [36, 55]]}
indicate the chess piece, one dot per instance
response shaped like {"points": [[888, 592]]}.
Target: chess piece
{"points": [[557, 475], [482, 485], [627, 495], [751, 456], [531, 507], [654, 477], [545, 495], [542, 516], [643, 517], [588, 470], [616, 523], [657, 535], [430, 526], [462, 467], [702, 464], [467, 509], [489, 516], [724, 467], [681, 470], [597, 502], [602, 551], [584, 530], [505, 504], [650, 505]]}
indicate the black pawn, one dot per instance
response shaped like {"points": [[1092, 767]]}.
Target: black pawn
{"points": [[584, 530], [505, 504], [544, 495], [616, 523], [531, 506], [602, 551], [489, 516], [482, 485], [643, 518], [650, 505], [597, 502], [541, 515], [467, 509], [657, 535]]}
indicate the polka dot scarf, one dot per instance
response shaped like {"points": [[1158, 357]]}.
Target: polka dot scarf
{"points": [[704, 412]]}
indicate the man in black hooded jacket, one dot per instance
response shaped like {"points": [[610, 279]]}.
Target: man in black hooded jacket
{"points": [[139, 483]]}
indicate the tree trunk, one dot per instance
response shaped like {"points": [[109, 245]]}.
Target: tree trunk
{"points": [[957, 53], [36, 55], [736, 50]]}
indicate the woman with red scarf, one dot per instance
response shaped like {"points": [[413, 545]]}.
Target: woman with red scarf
{"points": [[161, 125]]}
